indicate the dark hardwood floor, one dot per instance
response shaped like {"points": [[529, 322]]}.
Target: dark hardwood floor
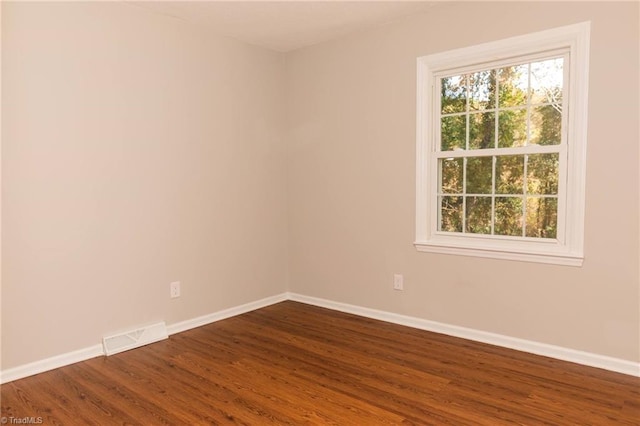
{"points": [[297, 364]]}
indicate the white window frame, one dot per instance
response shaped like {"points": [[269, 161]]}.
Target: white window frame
{"points": [[567, 248]]}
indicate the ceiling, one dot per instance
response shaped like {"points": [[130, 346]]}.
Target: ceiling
{"points": [[286, 25]]}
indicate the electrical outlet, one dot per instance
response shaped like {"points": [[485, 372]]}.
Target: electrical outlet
{"points": [[398, 282], [174, 288]]}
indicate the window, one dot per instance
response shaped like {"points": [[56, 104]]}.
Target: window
{"points": [[501, 144]]}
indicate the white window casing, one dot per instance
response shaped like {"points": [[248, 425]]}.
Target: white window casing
{"points": [[570, 42]]}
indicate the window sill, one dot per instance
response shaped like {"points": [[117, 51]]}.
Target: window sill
{"points": [[548, 256]]}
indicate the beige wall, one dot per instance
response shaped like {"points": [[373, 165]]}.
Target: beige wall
{"points": [[136, 152], [351, 123]]}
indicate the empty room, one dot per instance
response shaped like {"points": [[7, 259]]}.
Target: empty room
{"points": [[347, 213]]}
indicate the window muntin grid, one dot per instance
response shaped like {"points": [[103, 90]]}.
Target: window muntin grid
{"points": [[499, 148]]}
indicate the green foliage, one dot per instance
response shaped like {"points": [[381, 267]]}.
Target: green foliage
{"points": [[478, 215], [453, 94], [546, 123], [508, 216], [491, 194], [453, 133], [451, 214]]}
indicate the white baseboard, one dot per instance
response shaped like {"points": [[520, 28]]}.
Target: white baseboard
{"points": [[579, 357], [58, 361], [558, 352], [227, 313], [52, 363]]}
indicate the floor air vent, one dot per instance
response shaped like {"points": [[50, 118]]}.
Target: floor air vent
{"points": [[134, 338]]}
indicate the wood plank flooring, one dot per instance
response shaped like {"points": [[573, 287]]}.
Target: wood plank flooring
{"points": [[295, 364]]}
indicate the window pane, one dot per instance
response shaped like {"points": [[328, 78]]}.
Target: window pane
{"points": [[453, 94], [482, 90], [453, 132], [482, 129], [546, 81], [478, 215], [546, 125], [542, 173], [450, 214], [451, 175], [542, 217], [510, 174], [512, 128], [513, 85], [508, 216], [479, 171]]}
